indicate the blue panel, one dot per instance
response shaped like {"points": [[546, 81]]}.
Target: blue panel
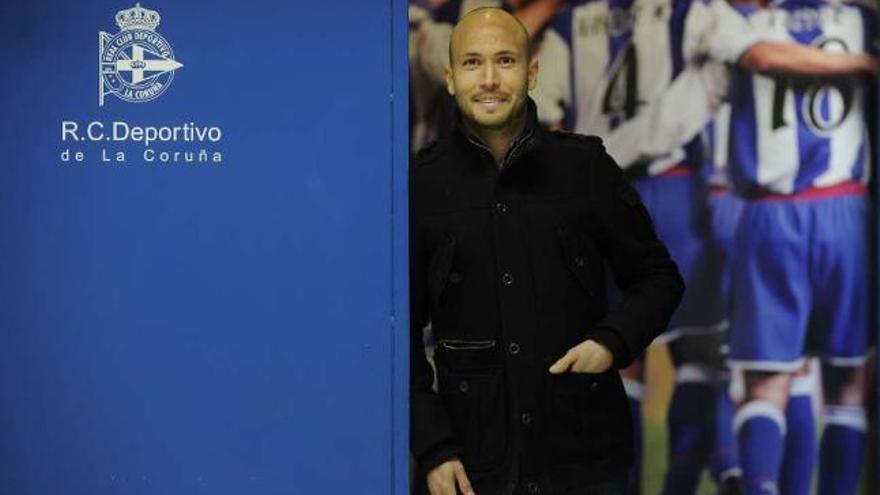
{"points": [[204, 328], [400, 246]]}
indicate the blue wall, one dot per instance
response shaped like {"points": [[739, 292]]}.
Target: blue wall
{"points": [[206, 328]]}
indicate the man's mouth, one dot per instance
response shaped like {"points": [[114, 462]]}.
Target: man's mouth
{"points": [[490, 102]]}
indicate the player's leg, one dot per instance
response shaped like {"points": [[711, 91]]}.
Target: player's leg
{"points": [[771, 289], [799, 457], [760, 427], [698, 367], [842, 449], [840, 333], [724, 464]]}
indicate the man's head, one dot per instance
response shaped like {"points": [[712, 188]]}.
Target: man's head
{"points": [[490, 69]]}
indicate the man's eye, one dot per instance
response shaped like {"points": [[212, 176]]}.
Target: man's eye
{"points": [[506, 61], [470, 62]]}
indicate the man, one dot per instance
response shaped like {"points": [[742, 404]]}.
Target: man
{"points": [[430, 105], [510, 228]]}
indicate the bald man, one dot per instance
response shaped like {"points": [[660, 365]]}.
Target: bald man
{"points": [[430, 106], [511, 227]]}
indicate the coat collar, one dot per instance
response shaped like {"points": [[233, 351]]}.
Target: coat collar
{"points": [[531, 136]]}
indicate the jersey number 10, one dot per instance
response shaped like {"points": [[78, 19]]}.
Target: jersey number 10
{"points": [[825, 102]]}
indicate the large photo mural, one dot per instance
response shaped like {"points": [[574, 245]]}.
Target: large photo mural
{"points": [[747, 128]]}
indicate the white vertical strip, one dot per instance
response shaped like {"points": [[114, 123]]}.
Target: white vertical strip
{"points": [[653, 47], [776, 148], [721, 140], [653, 42], [845, 140], [590, 45]]}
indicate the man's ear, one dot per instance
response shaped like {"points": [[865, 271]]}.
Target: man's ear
{"points": [[533, 72], [450, 86]]}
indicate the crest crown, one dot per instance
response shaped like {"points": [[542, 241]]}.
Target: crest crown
{"points": [[137, 18]]}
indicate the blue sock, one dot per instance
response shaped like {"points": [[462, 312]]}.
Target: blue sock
{"points": [[691, 434], [725, 460], [799, 458], [634, 395], [760, 430], [842, 451]]}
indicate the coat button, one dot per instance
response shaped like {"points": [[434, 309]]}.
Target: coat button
{"points": [[594, 387], [526, 418], [463, 386], [513, 348], [501, 207], [533, 487], [507, 279], [455, 277], [578, 262]]}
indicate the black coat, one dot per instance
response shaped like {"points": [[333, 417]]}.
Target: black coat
{"points": [[509, 268]]}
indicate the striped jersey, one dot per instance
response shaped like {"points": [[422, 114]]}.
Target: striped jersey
{"points": [[789, 134], [603, 61]]}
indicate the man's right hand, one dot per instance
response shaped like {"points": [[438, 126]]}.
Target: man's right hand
{"points": [[443, 479]]}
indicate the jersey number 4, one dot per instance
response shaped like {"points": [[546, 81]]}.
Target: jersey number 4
{"points": [[621, 100]]}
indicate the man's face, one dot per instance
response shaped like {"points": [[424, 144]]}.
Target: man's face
{"points": [[489, 72]]}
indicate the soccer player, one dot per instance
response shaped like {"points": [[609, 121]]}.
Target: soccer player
{"points": [[799, 280], [725, 208]]}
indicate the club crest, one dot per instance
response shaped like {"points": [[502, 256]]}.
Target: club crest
{"points": [[136, 64]]}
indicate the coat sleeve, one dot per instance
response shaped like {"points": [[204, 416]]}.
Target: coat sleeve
{"points": [[648, 278], [432, 440]]}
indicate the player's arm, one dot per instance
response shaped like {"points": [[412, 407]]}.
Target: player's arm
{"points": [[535, 15], [772, 57], [673, 119], [717, 30]]}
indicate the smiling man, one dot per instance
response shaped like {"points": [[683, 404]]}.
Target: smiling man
{"points": [[511, 228], [490, 74]]}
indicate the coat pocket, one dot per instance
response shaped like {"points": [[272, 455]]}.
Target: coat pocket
{"points": [[587, 420], [466, 345], [576, 258], [475, 400]]}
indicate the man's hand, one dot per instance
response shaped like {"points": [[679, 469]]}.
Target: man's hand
{"points": [[586, 357], [443, 478]]}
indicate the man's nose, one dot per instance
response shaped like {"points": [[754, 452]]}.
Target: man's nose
{"points": [[490, 76]]}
